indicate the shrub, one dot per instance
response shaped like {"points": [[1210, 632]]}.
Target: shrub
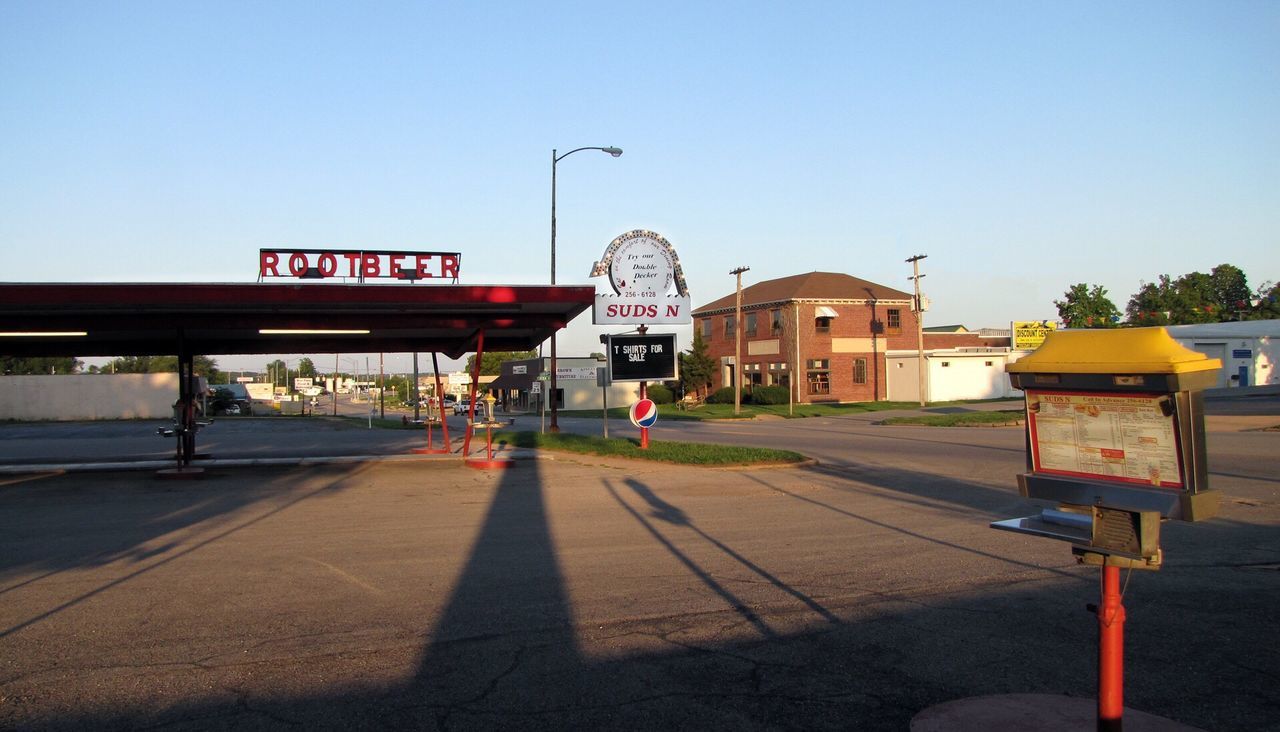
{"points": [[660, 394], [724, 395], [770, 395]]}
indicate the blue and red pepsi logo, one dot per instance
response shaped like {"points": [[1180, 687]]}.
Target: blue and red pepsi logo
{"points": [[644, 413]]}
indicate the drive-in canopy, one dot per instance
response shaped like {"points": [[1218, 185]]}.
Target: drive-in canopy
{"points": [[99, 319]]}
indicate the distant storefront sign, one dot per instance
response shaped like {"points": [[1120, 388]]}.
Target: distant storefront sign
{"points": [[576, 373], [358, 264], [1029, 334]]}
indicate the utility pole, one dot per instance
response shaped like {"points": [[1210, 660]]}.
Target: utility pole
{"points": [[737, 344], [919, 308]]}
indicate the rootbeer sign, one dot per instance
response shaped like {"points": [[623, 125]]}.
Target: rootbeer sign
{"points": [[642, 357], [642, 268]]}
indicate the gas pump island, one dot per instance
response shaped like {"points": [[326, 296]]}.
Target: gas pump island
{"points": [[1115, 437]]}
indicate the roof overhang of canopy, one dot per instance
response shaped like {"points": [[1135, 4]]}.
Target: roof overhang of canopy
{"points": [[216, 319]]}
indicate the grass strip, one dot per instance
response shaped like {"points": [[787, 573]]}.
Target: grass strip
{"points": [[962, 419], [681, 453], [749, 411]]}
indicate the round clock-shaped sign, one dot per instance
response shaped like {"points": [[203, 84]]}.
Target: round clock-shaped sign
{"points": [[642, 264]]}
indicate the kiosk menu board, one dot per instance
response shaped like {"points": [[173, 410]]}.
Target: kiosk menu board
{"points": [[1127, 438]]}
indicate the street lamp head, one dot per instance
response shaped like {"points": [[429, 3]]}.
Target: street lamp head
{"points": [[614, 151]]}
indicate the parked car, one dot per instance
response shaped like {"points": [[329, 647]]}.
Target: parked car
{"points": [[462, 407]]}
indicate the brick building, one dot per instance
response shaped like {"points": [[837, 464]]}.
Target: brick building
{"points": [[830, 330]]}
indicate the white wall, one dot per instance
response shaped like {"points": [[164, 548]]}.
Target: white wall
{"points": [[1259, 366], [86, 397], [953, 374]]}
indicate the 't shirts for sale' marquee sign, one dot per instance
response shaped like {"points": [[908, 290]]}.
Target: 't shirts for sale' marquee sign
{"points": [[642, 268]]}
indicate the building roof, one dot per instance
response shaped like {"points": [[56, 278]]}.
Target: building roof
{"points": [[812, 286], [946, 329], [1232, 329]]}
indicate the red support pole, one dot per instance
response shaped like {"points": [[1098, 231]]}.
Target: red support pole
{"points": [[1110, 653], [644, 431]]}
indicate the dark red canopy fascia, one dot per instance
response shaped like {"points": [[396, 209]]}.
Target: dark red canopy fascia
{"points": [[216, 319]]}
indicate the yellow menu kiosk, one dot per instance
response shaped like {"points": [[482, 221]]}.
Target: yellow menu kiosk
{"points": [[1115, 435]]}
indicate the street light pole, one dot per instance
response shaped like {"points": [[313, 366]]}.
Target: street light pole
{"points": [[615, 152], [737, 344], [919, 308]]}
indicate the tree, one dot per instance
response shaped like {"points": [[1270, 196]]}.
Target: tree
{"points": [[1195, 297], [491, 364], [202, 365], [56, 365], [1230, 290], [306, 368], [1152, 304], [1268, 299], [1086, 307], [278, 371], [697, 367]]}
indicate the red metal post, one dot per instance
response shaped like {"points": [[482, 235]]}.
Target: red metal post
{"points": [[644, 431], [1110, 653]]}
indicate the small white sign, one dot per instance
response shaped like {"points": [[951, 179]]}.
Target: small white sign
{"points": [[535, 388], [573, 373], [626, 310], [301, 382]]}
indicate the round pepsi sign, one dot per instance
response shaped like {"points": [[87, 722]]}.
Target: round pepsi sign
{"points": [[644, 413]]}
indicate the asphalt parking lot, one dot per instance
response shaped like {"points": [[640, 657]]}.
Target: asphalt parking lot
{"points": [[588, 593], [579, 593]]}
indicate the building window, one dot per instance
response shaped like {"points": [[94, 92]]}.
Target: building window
{"points": [[750, 327], [946, 364], [989, 363], [730, 326], [778, 374], [706, 329], [822, 325], [859, 370], [819, 376], [894, 324], [751, 374], [775, 316]]}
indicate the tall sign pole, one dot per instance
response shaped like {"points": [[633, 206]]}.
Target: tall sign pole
{"points": [[919, 308], [737, 344]]}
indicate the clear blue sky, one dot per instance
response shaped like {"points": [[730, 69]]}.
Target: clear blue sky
{"points": [[1024, 146]]}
